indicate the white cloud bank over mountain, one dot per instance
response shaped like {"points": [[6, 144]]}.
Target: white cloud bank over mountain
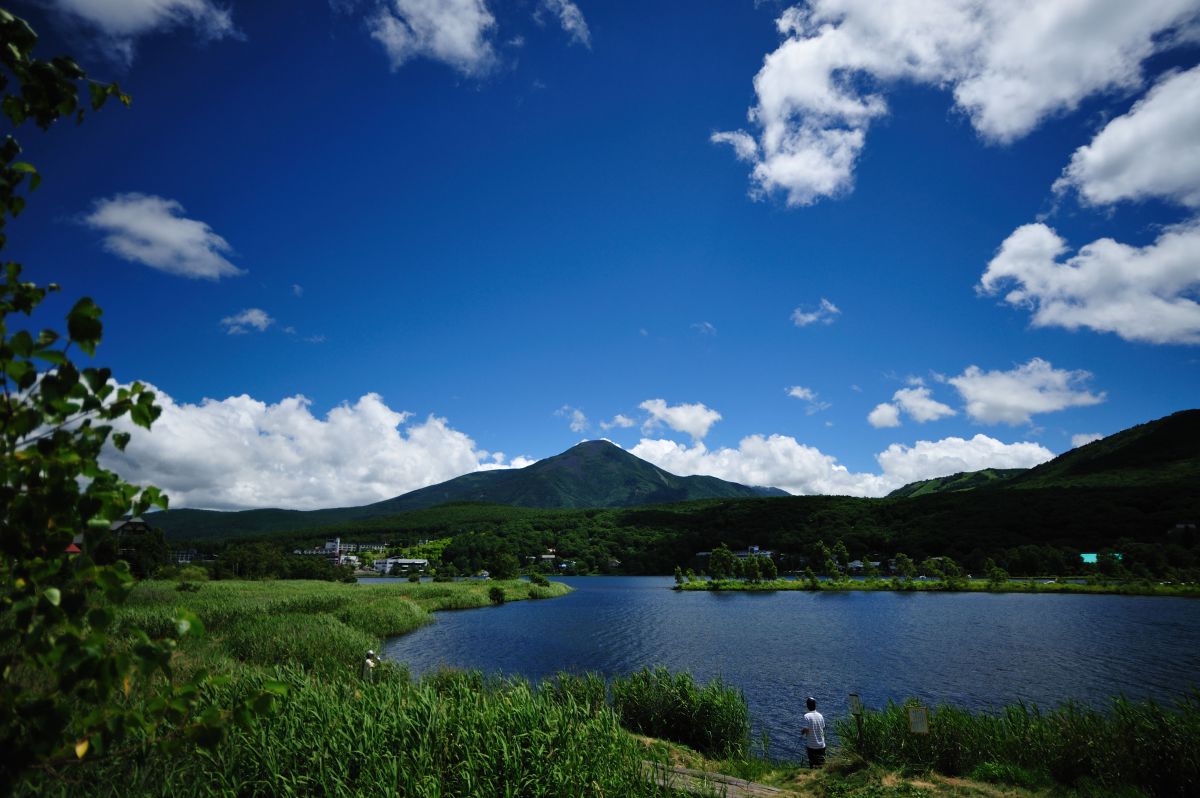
{"points": [[1009, 66], [241, 453], [783, 462]]}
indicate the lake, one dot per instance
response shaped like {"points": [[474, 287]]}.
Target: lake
{"points": [[976, 650]]}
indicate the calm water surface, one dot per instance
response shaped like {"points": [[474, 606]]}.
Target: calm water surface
{"points": [[978, 650]]}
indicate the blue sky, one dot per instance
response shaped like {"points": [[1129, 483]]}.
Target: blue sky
{"points": [[360, 247]]}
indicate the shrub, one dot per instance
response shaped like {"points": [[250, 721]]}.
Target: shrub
{"points": [[1132, 745], [712, 719], [496, 595]]}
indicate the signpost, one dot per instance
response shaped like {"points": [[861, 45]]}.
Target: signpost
{"points": [[856, 709], [918, 720]]}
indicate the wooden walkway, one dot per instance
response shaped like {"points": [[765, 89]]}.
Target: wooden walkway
{"points": [[700, 782]]}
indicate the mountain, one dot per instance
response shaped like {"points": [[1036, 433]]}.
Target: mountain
{"points": [[593, 474], [963, 480], [1163, 451], [1159, 452]]}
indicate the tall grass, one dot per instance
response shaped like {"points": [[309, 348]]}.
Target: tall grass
{"points": [[450, 735], [1133, 744], [712, 718]]}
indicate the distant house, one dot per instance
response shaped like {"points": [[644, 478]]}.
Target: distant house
{"points": [[124, 526], [403, 564], [855, 566]]}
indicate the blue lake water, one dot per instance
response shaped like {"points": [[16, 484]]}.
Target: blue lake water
{"points": [[977, 650]]}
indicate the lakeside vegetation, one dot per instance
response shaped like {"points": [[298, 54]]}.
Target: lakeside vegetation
{"points": [[1129, 747], [1114, 588], [330, 732]]}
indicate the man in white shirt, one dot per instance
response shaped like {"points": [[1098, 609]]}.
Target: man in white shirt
{"points": [[814, 734]]}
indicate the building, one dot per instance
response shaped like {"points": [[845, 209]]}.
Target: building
{"points": [[402, 564]]}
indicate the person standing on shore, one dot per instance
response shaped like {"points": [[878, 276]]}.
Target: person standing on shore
{"points": [[814, 734]]}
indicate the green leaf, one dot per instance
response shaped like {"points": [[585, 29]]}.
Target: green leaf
{"points": [[53, 595], [83, 325]]}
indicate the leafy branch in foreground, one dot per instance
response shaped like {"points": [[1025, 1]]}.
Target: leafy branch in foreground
{"points": [[71, 690]]}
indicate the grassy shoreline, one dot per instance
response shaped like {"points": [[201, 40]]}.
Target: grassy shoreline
{"points": [[1189, 590], [464, 733]]}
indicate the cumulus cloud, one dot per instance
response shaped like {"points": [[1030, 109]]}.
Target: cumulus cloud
{"points": [[824, 313], [694, 419], [618, 421], [928, 459], [571, 19], [884, 415], [454, 32], [781, 461], [240, 453], [1014, 396], [1152, 151], [1140, 293], [920, 405], [151, 230], [812, 402], [246, 320], [578, 421], [122, 21], [1084, 438], [1009, 66]]}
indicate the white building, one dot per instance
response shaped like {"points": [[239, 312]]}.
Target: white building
{"points": [[405, 565]]}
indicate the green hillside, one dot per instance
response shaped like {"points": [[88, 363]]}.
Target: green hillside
{"points": [[591, 474], [1158, 452], [1128, 493], [964, 480]]}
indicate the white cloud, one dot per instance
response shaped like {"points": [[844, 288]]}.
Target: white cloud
{"points": [[1009, 65], [928, 459], [884, 415], [1152, 151], [744, 145], [239, 453], [619, 420], [920, 405], [1084, 438], [704, 328], [824, 313], [151, 230], [452, 31], [242, 322], [121, 21], [571, 19], [1012, 397], [781, 461], [694, 419], [297, 290], [1140, 293], [578, 421], [813, 403]]}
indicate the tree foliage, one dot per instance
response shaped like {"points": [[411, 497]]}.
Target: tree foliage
{"points": [[70, 690]]}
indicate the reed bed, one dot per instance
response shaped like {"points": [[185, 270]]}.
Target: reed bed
{"points": [[1133, 744], [713, 718], [451, 734]]}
